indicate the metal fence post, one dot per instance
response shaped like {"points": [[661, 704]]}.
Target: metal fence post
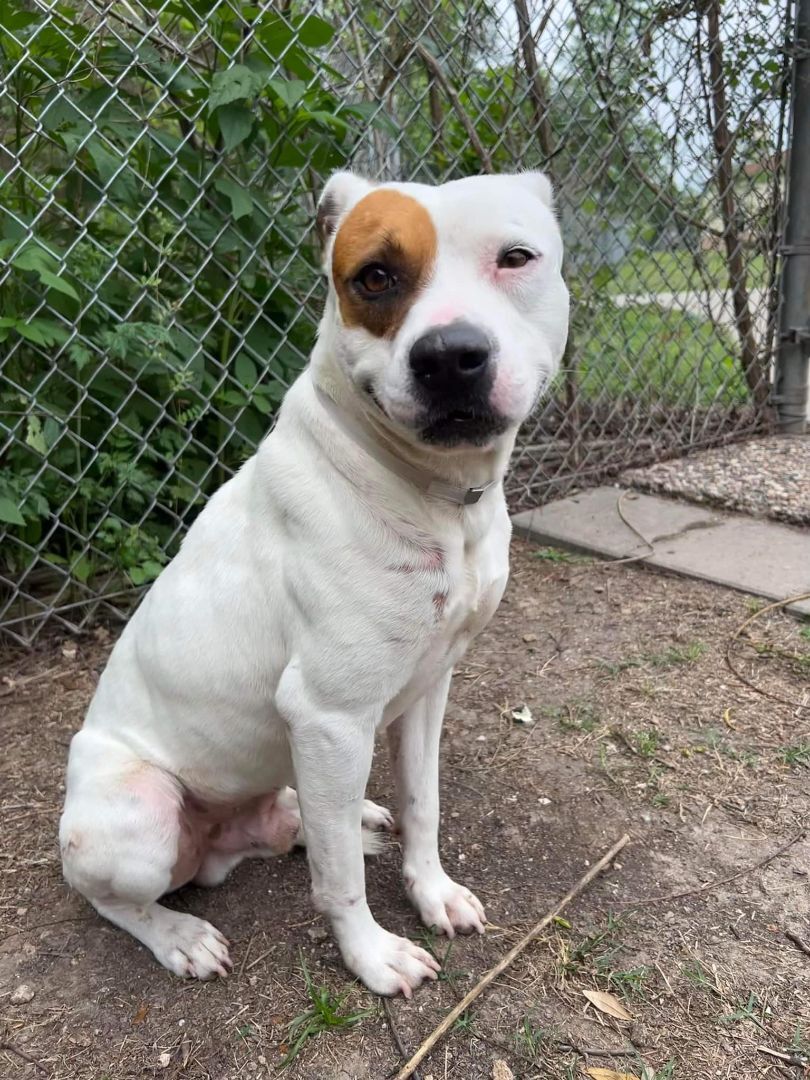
{"points": [[793, 358]]}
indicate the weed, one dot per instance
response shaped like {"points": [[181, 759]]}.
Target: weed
{"points": [[660, 801], [646, 742], [323, 1015], [428, 938], [744, 1011], [529, 1038], [796, 755], [464, 1023], [799, 1043]]}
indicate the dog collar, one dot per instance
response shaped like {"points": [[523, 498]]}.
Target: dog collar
{"points": [[422, 478]]}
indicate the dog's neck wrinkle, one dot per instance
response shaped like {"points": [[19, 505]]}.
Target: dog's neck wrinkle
{"points": [[471, 467]]}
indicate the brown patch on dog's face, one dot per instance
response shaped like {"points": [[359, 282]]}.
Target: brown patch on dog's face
{"points": [[390, 236]]}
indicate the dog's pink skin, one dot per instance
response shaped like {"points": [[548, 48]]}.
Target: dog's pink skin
{"points": [[444, 315], [260, 823], [501, 397]]}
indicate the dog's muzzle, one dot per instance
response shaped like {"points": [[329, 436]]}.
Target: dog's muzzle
{"points": [[452, 371]]}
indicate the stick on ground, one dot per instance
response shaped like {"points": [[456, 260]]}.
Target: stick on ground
{"points": [[440, 1031]]}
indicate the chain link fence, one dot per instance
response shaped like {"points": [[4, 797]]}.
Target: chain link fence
{"points": [[159, 284]]}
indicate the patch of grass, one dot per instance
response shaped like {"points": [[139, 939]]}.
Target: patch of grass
{"points": [[671, 657], [616, 667], [666, 1072], [576, 716], [805, 632], [323, 1015], [677, 654], [796, 755], [696, 973], [628, 982], [586, 949], [646, 742], [653, 356], [644, 271], [558, 555], [660, 801]]}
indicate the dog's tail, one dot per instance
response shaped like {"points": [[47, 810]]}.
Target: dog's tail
{"points": [[374, 841]]}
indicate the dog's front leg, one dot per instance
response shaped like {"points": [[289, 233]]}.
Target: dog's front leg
{"points": [[414, 745], [332, 757]]}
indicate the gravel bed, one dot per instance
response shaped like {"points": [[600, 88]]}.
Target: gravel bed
{"points": [[768, 477]]}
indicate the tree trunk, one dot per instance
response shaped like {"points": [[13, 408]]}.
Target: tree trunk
{"points": [[732, 240]]}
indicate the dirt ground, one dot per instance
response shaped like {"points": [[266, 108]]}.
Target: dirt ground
{"points": [[636, 724]]}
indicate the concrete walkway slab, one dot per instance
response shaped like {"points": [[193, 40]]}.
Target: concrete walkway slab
{"points": [[755, 556]]}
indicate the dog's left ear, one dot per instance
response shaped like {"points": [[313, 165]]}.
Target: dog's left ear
{"points": [[540, 185], [342, 191]]}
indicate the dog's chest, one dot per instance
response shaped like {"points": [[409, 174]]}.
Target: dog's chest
{"points": [[458, 590]]}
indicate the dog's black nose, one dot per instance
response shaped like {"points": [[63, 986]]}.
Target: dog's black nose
{"points": [[450, 357]]}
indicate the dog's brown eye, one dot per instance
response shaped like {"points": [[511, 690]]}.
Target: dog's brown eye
{"points": [[375, 279], [514, 258]]}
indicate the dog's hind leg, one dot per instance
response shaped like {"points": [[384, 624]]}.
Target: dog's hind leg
{"points": [[125, 843]]}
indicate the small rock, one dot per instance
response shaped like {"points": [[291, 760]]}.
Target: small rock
{"points": [[165, 1060], [22, 911], [317, 933], [529, 638], [501, 1071], [69, 650], [22, 995]]}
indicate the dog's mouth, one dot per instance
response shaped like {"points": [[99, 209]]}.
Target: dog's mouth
{"points": [[460, 426]]}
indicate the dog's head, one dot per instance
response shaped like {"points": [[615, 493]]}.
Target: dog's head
{"points": [[446, 305]]}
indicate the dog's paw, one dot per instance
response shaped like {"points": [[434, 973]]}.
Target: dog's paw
{"points": [[376, 816], [445, 905], [192, 948], [388, 964]]}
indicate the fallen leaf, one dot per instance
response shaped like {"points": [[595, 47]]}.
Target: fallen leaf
{"points": [[141, 1014], [607, 1003], [185, 1050], [501, 1071], [165, 1060], [609, 1074], [523, 715], [560, 921]]}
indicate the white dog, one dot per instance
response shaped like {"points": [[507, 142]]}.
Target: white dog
{"points": [[326, 591]]}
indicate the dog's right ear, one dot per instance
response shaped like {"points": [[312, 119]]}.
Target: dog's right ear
{"points": [[342, 191]]}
